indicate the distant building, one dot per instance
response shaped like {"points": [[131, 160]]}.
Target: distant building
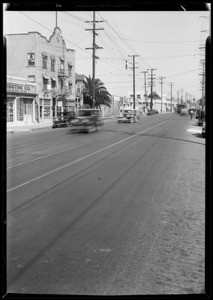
{"points": [[80, 83], [49, 65]]}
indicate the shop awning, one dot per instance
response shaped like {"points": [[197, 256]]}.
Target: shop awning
{"points": [[45, 76]]}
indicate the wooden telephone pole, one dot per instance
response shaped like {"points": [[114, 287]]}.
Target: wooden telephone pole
{"points": [[171, 85], [133, 68], [145, 95], [151, 85], [161, 83], [94, 57]]}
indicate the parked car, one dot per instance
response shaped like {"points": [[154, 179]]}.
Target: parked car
{"points": [[197, 114], [88, 120], [129, 116], [184, 112], [63, 119], [202, 118], [151, 112], [204, 129], [156, 111]]}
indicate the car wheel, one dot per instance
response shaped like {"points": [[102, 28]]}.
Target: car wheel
{"points": [[91, 129]]}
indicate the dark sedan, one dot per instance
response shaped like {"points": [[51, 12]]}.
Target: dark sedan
{"points": [[151, 112], [63, 119]]}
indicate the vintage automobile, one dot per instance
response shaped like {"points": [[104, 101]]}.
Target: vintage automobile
{"points": [[184, 112], [202, 118], [63, 119], [87, 120], [129, 116], [151, 112], [204, 129]]}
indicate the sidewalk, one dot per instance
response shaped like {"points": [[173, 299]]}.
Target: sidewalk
{"points": [[26, 128]]}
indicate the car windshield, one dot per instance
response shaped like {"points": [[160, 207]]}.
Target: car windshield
{"points": [[127, 112], [66, 114], [83, 113]]}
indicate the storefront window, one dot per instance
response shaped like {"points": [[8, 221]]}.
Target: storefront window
{"points": [[20, 110], [27, 106], [10, 110], [46, 109]]}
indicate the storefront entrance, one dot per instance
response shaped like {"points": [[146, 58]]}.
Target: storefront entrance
{"points": [[25, 110], [10, 109], [21, 101]]}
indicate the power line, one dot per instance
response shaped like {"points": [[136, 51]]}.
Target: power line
{"points": [[51, 31], [182, 73], [155, 42]]}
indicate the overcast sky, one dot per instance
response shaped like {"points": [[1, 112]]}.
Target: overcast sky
{"points": [[166, 41]]}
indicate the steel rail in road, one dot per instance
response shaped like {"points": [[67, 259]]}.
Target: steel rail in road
{"points": [[67, 149], [86, 156]]}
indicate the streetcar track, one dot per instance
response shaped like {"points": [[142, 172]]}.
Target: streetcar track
{"points": [[58, 152], [84, 157], [77, 146]]}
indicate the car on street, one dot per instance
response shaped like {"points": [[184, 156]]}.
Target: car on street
{"points": [[151, 112], [204, 129], [129, 116], [202, 118], [87, 120], [184, 112], [156, 111], [197, 114], [63, 119]]}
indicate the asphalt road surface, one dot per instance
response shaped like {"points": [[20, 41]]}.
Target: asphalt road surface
{"points": [[115, 212]]}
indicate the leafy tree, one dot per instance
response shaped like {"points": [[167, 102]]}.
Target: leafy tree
{"points": [[102, 96]]}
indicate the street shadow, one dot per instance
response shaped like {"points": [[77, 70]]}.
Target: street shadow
{"points": [[130, 133], [198, 135]]}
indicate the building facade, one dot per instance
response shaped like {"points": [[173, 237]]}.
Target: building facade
{"points": [[79, 82], [49, 65], [21, 101]]}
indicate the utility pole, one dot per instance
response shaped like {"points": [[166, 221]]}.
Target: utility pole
{"points": [[181, 95], [145, 95], [161, 83], [203, 82], [151, 85], [133, 56], [178, 98], [171, 85], [94, 57]]}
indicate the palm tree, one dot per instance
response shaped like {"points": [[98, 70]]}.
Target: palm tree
{"points": [[102, 96], [154, 96]]}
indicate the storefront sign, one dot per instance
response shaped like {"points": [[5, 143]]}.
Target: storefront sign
{"points": [[21, 88]]}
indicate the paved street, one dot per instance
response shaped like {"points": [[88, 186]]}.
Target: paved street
{"points": [[115, 212]]}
